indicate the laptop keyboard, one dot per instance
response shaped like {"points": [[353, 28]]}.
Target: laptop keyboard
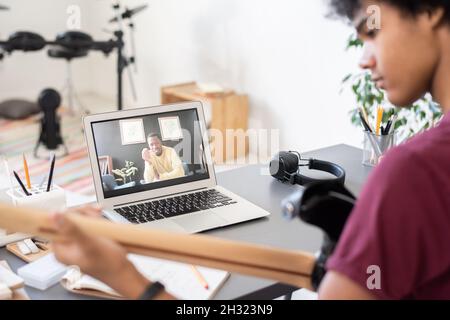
{"points": [[171, 207]]}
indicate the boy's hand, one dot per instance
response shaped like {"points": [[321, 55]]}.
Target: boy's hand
{"points": [[101, 258]]}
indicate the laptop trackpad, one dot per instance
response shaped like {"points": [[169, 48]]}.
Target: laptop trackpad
{"points": [[200, 221], [164, 224]]}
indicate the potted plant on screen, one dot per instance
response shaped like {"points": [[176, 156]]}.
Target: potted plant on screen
{"points": [[127, 173], [422, 115]]}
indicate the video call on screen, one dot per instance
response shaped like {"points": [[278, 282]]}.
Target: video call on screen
{"points": [[149, 152]]}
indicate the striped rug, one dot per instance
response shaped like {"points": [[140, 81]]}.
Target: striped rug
{"points": [[72, 172]]}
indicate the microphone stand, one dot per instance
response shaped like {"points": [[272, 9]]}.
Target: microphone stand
{"points": [[122, 61]]}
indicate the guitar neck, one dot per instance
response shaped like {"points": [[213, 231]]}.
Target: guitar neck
{"points": [[286, 266]]}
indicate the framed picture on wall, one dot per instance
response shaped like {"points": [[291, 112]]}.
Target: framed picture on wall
{"points": [[132, 131], [170, 128]]}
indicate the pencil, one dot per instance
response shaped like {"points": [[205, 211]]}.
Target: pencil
{"points": [[366, 117], [393, 121], [50, 174], [364, 123], [379, 119], [21, 184], [200, 278], [43, 181], [388, 127], [27, 173]]}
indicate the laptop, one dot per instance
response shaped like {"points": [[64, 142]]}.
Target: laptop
{"points": [[153, 167]]}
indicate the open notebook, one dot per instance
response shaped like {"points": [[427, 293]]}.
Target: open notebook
{"points": [[178, 279]]}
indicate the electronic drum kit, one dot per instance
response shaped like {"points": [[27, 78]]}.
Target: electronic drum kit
{"points": [[71, 45], [74, 44]]}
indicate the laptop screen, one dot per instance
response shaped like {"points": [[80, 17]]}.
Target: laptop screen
{"points": [[149, 152]]}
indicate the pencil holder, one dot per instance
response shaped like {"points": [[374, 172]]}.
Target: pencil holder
{"points": [[376, 146], [54, 200]]}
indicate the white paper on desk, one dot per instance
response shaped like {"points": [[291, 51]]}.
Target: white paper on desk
{"points": [[177, 278]]}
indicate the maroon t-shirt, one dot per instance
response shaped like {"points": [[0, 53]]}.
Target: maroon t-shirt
{"points": [[401, 223]]}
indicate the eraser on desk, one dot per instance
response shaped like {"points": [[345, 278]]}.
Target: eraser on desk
{"points": [[43, 250], [43, 273], [30, 244], [23, 248]]}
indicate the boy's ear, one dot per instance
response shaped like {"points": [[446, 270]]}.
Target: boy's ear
{"points": [[436, 17]]}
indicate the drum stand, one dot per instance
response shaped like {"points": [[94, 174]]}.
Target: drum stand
{"points": [[123, 61], [72, 96]]}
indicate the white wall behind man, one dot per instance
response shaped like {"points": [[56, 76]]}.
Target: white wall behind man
{"points": [[285, 54]]}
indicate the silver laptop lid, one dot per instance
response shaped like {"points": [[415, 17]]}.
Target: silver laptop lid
{"points": [[179, 150]]}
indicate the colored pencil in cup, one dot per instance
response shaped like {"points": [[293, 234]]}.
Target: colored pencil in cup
{"points": [[50, 174], [379, 119], [27, 173], [21, 184]]}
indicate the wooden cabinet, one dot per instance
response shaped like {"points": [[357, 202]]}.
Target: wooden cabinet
{"points": [[228, 121]]}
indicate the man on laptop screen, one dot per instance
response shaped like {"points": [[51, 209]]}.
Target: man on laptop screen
{"points": [[161, 162]]}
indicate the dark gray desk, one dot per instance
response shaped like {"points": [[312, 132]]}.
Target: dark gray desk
{"points": [[263, 190]]}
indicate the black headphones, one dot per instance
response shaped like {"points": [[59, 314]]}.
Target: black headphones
{"points": [[284, 166]]}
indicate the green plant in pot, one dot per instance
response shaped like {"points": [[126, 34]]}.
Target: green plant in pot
{"points": [[422, 115], [127, 173]]}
